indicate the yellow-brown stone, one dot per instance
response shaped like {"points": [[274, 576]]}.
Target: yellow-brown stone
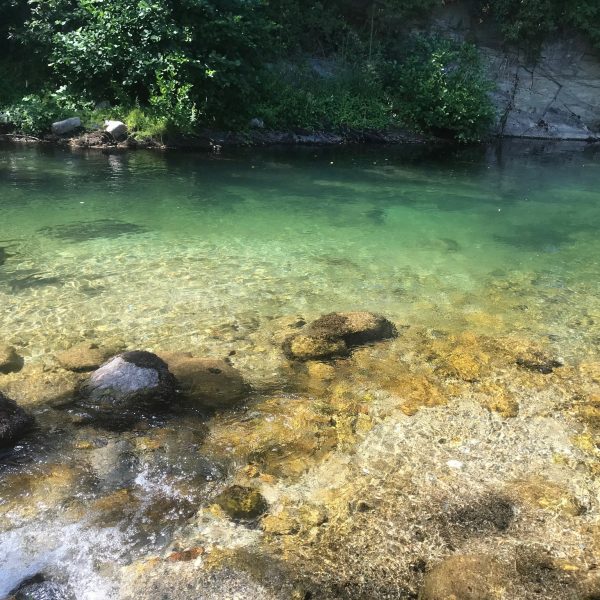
{"points": [[541, 493]]}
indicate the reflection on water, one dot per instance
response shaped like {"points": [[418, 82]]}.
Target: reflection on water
{"points": [[212, 254]]}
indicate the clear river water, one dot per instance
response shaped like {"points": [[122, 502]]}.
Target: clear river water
{"points": [[208, 254]]}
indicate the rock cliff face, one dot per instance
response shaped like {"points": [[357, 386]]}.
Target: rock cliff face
{"points": [[555, 95]]}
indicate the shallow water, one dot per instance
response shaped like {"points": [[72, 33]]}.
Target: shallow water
{"points": [[200, 253]]}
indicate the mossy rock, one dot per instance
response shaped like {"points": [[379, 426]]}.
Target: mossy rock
{"points": [[335, 334], [242, 503]]}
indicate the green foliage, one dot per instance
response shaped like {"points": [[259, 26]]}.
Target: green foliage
{"points": [[181, 56], [34, 113], [435, 86], [528, 23], [182, 64], [300, 97], [144, 124], [440, 87]]}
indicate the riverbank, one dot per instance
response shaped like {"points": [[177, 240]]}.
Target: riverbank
{"points": [[216, 141], [208, 140]]}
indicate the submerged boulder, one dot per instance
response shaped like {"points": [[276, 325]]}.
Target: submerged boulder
{"points": [[14, 422], [335, 334], [129, 383], [10, 361], [242, 503], [82, 357], [211, 382]]}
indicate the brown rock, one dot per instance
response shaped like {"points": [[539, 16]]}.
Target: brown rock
{"points": [[468, 577], [82, 357], [10, 361], [335, 334], [212, 382]]}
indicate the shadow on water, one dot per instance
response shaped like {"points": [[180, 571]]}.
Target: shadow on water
{"points": [[82, 231], [32, 281], [543, 237]]}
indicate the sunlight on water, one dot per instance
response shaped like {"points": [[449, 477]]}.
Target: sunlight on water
{"points": [[203, 253]]}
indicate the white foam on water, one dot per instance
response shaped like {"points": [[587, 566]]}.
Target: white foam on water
{"points": [[68, 553]]}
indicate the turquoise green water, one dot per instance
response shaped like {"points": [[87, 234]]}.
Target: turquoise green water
{"points": [[156, 250]]}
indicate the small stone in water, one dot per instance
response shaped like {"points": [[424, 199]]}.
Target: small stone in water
{"points": [[242, 503], [455, 464]]}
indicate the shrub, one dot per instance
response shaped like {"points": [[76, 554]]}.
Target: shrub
{"points": [[440, 87]]}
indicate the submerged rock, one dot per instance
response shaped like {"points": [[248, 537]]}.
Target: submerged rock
{"points": [[213, 383], [14, 421], [538, 362], [128, 383], [468, 577], [242, 503], [335, 334], [82, 357], [10, 361], [39, 588]]}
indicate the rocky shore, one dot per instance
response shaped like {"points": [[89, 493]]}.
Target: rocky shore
{"points": [[214, 141]]}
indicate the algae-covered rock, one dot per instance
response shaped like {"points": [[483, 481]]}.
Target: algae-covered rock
{"points": [[466, 577], [211, 382], [82, 357], [335, 334], [10, 361], [242, 503], [306, 347], [14, 422], [127, 384]]}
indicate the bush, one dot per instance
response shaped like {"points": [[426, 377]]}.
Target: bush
{"points": [[440, 87], [186, 57], [181, 64], [528, 23], [298, 96], [34, 113]]}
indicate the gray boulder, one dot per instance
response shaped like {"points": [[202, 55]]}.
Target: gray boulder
{"points": [[66, 126], [117, 129], [14, 422], [256, 123], [129, 385]]}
